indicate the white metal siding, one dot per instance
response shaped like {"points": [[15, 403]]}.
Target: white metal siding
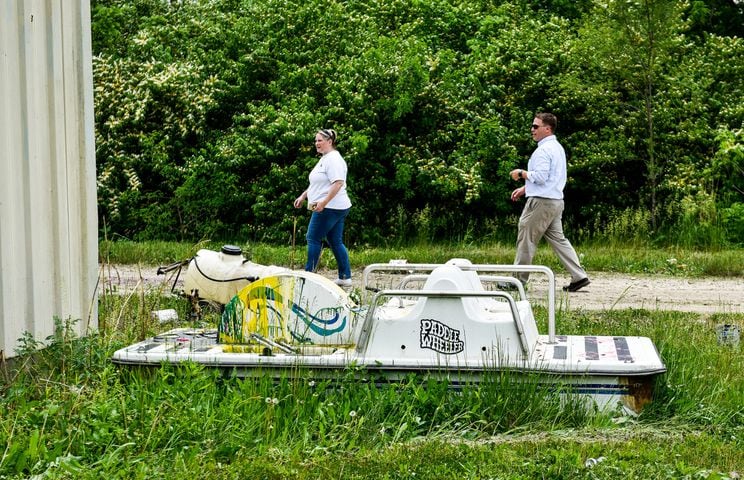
{"points": [[48, 225]]}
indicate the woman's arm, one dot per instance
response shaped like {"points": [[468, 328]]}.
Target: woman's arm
{"points": [[335, 187], [298, 201]]}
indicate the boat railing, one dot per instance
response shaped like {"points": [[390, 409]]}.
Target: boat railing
{"points": [[366, 329], [513, 282], [401, 267]]}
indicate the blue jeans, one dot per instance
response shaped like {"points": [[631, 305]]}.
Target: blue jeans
{"points": [[328, 224]]}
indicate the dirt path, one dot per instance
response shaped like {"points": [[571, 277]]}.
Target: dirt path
{"points": [[607, 290], [657, 292]]}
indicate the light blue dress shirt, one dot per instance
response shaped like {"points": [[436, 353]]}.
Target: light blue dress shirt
{"points": [[547, 170]]}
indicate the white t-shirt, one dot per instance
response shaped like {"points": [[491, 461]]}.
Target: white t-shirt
{"points": [[330, 168]]}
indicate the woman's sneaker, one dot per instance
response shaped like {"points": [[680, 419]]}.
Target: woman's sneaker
{"points": [[343, 282]]}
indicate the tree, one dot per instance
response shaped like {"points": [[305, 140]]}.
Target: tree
{"points": [[629, 46]]}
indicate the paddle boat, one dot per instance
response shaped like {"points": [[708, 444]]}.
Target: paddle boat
{"points": [[457, 321]]}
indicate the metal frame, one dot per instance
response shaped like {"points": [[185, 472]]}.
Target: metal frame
{"points": [[428, 267], [369, 319], [483, 278]]}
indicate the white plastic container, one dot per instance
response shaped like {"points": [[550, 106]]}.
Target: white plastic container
{"points": [[219, 276]]}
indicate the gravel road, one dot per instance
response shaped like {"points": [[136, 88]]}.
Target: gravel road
{"points": [[607, 290]]}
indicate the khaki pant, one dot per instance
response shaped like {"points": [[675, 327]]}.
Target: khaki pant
{"points": [[540, 218]]}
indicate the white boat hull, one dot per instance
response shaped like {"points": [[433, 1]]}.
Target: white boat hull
{"points": [[296, 324], [619, 377]]}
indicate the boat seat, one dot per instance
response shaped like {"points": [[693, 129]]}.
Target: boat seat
{"points": [[463, 325], [450, 278]]}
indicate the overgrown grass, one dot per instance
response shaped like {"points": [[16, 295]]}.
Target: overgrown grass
{"points": [[634, 258], [67, 412]]}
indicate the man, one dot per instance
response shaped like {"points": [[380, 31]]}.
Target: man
{"points": [[544, 180]]}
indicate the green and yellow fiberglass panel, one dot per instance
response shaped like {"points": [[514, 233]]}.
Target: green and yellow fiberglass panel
{"points": [[294, 307]]}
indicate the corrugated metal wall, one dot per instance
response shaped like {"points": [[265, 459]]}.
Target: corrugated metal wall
{"points": [[48, 220]]}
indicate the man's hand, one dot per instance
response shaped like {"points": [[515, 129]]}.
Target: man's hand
{"points": [[517, 194]]}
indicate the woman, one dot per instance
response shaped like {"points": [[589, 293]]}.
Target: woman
{"points": [[330, 204]]}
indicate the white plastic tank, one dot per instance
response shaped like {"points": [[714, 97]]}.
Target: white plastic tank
{"points": [[219, 276]]}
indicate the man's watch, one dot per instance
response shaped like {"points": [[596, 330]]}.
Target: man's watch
{"points": [[520, 173]]}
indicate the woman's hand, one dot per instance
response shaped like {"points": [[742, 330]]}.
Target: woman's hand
{"points": [[299, 200], [335, 187]]}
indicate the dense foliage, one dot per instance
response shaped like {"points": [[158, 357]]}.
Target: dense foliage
{"points": [[206, 112]]}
